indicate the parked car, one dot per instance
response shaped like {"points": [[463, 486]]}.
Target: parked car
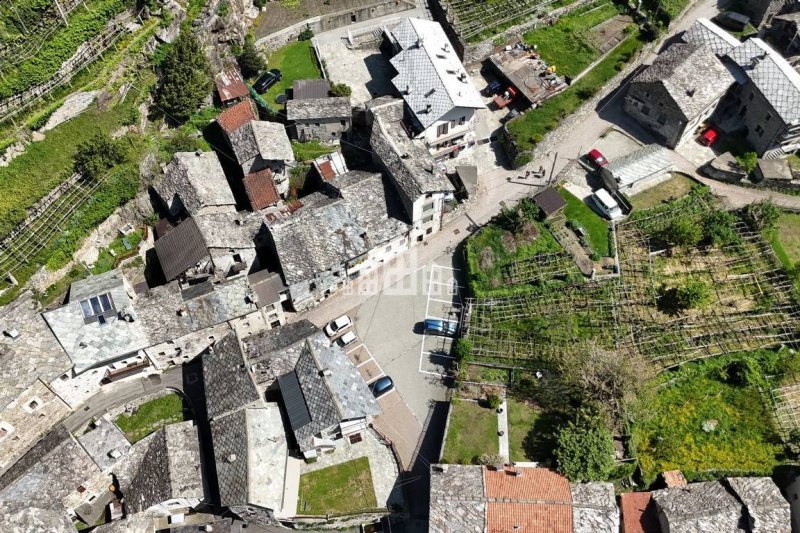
{"points": [[434, 326], [511, 114], [596, 158], [606, 205], [346, 340], [732, 20], [337, 325], [709, 137], [493, 88], [267, 80], [381, 386]]}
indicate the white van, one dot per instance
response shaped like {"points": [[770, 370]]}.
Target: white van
{"points": [[606, 204]]}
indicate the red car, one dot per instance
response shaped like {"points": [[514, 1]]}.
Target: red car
{"points": [[709, 137], [597, 159]]}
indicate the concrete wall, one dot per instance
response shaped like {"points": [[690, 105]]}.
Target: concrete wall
{"points": [[332, 21]]}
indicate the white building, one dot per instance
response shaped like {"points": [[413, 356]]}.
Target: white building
{"points": [[434, 86]]}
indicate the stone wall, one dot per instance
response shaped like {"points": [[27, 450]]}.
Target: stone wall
{"points": [[332, 21]]}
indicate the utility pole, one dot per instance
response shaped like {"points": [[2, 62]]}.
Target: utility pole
{"points": [[553, 169]]}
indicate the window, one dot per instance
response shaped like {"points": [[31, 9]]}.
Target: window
{"points": [[453, 123], [662, 119], [427, 207], [275, 324], [343, 123], [645, 110], [428, 231], [389, 248], [442, 129], [427, 219], [462, 120], [759, 130], [316, 124], [752, 95], [96, 305], [769, 116], [647, 95]]}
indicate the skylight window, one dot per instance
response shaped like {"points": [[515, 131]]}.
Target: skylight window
{"points": [[96, 305]]}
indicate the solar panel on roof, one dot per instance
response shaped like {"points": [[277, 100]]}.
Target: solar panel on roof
{"points": [[294, 401]]}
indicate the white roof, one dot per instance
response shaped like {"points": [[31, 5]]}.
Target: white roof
{"points": [[429, 72], [772, 74], [605, 197], [706, 33]]}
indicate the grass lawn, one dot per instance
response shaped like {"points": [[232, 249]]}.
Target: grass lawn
{"points": [[669, 433], [675, 187], [785, 239], [338, 489], [296, 61], [566, 44], [310, 150], [106, 260], [472, 432], [596, 228], [529, 129], [525, 429], [151, 416]]}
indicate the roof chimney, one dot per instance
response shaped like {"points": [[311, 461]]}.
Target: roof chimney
{"points": [[428, 108], [13, 333], [232, 458], [408, 88]]}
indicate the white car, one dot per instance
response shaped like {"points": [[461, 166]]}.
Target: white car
{"points": [[337, 325], [606, 204], [346, 339]]}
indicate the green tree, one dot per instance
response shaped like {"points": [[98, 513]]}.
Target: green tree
{"points": [[682, 231], [341, 89], [584, 449], [747, 161], [250, 60], [185, 78], [763, 215], [693, 293], [97, 154], [718, 228], [493, 401]]}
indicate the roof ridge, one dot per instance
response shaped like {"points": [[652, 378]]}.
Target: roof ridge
{"points": [[339, 408]]}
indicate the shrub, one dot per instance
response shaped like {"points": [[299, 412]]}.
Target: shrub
{"points": [[747, 161], [584, 449], [341, 89], [97, 154], [762, 215], [693, 293], [250, 60], [259, 3], [494, 401], [306, 35], [682, 231], [223, 10], [462, 349], [185, 78], [718, 228], [488, 459]]}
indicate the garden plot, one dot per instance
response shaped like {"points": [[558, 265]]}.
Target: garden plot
{"points": [[474, 20], [786, 400]]}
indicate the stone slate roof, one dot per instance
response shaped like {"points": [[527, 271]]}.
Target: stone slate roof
{"points": [[237, 116], [348, 390], [229, 229], [594, 508], [50, 471], [308, 89], [430, 75], [275, 352], [34, 353], [229, 435], [228, 385], [313, 109], [703, 32], [267, 451], [707, 506], [198, 179], [772, 75], [101, 440], [267, 286], [765, 504], [406, 160], [331, 231], [257, 137], [692, 75], [260, 189], [181, 249], [30, 519], [457, 502], [230, 85], [639, 164], [89, 343]]}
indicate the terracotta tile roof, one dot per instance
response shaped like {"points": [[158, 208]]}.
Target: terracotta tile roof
{"points": [[511, 517], [326, 170], [639, 513], [261, 189], [535, 484], [237, 116], [230, 85]]}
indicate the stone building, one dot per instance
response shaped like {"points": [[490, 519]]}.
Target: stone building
{"points": [[762, 11], [194, 183], [337, 236], [765, 100], [316, 115], [678, 92], [439, 95], [703, 32], [422, 188]]}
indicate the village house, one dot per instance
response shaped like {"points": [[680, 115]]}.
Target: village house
{"points": [[765, 100], [326, 398], [703, 32], [638, 170], [261, 190], [257, 144], [230, 87], [422, 187], [474, 498], [438, 94], [678, 92], [194, 183], [784, 34], [316, 115], [337, 235], [761, 12]]}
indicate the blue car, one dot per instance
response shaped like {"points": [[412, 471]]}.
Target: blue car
{"points": [[381, 386], [435, 326]]}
